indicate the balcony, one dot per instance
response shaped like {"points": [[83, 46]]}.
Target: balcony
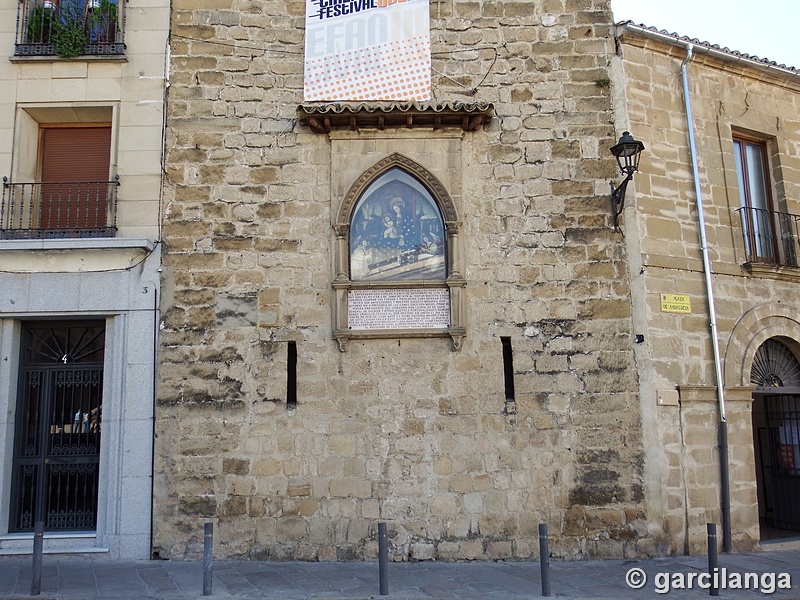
{"points": [[69, 28], [84, 209], [770, 237]]}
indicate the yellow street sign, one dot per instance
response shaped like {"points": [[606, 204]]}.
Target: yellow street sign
{"points": [[676, 303]]}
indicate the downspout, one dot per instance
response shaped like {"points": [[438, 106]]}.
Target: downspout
{"points": [[725, 491]]}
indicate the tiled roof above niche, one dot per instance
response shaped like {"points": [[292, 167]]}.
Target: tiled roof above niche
{"points": [[324, 117]]}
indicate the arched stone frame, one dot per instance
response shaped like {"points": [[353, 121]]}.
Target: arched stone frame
{"points": [[764, 322], [756, 326], [454, 281]]}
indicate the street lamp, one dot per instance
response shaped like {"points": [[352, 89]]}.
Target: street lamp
{"points": [[627, 152]]}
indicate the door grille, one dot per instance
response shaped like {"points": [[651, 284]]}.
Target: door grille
{"points": [[59, 421]]}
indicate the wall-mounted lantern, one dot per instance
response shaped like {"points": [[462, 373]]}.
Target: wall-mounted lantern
{"points": [[627, 152]]}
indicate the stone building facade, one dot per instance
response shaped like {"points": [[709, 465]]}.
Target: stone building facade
{"points": [[333, 314], [744, 118], [296, 431], [81, 138]]}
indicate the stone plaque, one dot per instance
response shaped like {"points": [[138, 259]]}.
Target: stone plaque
{"points": [[399, 309]]}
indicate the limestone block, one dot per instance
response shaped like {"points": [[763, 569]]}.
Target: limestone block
{"points": [[240, 485], [420, 551], [452, 550], [446, 504], [499, 550], [298, 488], [266, 466], [358, 488], [470, 549], [370, 509], [482, 482], [473, 503], [292, 528], [461, 484]]}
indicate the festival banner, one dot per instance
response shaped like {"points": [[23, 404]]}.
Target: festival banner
{"points": [[367, 50]]}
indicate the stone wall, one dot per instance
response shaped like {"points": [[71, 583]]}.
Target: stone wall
{"points": [[752, 304], [403, 430]]}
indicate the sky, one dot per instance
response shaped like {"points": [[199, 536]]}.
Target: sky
{"points": [[764, 28]]}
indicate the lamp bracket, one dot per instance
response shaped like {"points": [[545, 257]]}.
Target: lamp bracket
{"points": [[618, 198]]}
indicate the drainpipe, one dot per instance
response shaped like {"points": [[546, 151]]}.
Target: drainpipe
{"points": [[725, 491]]}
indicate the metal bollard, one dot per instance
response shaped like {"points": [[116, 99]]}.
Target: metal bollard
{"points": [[713, 563], [208, 547], [544, 558], [38, 549], [383, 559]]}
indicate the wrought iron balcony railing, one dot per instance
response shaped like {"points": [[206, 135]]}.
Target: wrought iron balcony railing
{"points": [[72, 209], [69, 28], [770, 237]]}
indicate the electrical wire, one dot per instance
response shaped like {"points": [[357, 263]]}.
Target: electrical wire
{"points": [[264, 51], [147, 255], [238, 45]]}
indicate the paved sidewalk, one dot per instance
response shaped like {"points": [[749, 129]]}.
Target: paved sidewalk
{"points": [[78, 578]]}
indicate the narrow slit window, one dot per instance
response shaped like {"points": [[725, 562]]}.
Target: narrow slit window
{"points": [[291, 374], [508, 368]]}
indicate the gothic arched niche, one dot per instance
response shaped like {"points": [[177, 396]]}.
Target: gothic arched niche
{"points": [[398, 271], [415, 170]]}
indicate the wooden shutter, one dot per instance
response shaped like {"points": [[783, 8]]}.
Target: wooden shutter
{"points": [[75, 163]]}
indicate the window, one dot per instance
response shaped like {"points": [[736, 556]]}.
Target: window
{"points": [[74, 184], [754, 197], [69, 28], [61, 185], [398, 271]]}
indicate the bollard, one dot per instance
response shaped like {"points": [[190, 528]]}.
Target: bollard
{"points": [[383, 559], [208, 547], [544, 559], [38, 548], [713, 563]]}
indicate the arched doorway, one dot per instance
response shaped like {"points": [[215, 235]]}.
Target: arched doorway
{"points": [[776, 435]]}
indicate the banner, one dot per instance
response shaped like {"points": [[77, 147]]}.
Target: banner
{"points": [[367, 50]]}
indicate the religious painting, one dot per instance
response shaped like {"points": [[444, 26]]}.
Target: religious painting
{"points": [[397, 232]]}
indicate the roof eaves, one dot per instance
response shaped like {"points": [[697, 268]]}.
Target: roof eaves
{"points": [[322, 117], [723, 53]]}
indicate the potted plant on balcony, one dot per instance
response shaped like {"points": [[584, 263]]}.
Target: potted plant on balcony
{"points": [[102, 20], [41, 23], [69, 32]]}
